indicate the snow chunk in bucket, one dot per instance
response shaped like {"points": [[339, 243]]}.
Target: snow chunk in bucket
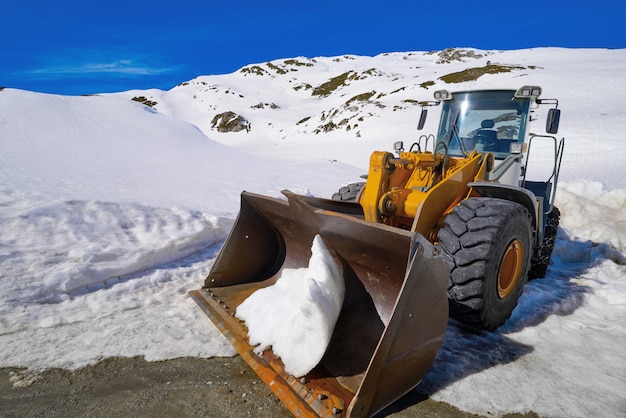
{"points": [[297, 315]]}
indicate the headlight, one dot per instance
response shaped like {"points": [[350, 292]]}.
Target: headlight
{"points": [[528, 92], [442, 95], [517, 147]]}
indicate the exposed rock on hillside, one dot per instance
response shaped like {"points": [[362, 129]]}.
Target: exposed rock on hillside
{"points": [[230, 122], [145, 101], [472, 74], [449, 55], [262, 105]]}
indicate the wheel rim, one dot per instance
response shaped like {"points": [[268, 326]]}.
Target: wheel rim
{"points": [[510, 269]]}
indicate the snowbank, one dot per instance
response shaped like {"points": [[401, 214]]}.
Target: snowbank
{"points": [[82, 280]]}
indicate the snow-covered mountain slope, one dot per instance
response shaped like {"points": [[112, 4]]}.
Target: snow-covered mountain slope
{"points": [[143, 155], [344, 107]]}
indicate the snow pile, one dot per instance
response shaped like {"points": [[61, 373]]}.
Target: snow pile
{"points": [[297, 315], [42, 231], [82, 280]]}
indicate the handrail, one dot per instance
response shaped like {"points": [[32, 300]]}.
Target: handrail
{"points": [[559, 146]]}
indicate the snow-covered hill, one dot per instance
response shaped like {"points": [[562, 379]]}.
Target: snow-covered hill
{"points": [[111, 210], [342, 108]]}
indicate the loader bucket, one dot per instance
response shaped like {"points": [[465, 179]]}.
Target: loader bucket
{"points": [[392, 320]]}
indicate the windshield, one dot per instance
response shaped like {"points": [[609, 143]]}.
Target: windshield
{"points": [[484, 121]]}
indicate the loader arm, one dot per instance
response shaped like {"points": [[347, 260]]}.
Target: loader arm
{"points": [[407, 192]]}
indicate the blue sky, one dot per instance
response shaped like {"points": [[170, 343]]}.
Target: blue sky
{"points": [[85, 47]]}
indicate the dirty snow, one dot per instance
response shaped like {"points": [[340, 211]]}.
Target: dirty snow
{"points": [[110, 212]]}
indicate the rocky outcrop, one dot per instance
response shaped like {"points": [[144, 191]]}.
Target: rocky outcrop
{"points": [[230, 122]]}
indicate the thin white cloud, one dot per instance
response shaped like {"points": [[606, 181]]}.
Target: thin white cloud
{"points": [[125, 67]]}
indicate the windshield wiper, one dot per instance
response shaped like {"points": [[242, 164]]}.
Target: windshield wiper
{"points": [[455, 132]]}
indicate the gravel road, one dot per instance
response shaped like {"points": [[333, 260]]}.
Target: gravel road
{"points": [[185, 387]]}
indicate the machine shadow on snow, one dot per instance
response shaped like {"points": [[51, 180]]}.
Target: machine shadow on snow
{"points": [[556, 294], [480, 351], [463, 353]]}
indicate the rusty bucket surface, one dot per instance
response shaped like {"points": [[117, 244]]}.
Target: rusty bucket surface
{"points": [[392, 320]]}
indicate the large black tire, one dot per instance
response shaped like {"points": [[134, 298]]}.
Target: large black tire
{"points": [[489, 246], [540, 263], [349, 193]]}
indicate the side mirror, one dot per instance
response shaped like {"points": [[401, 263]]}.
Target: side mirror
{"points": [[552, 122], [422, 121]]}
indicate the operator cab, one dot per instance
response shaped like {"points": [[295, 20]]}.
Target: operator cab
{"points": [[485, 121], [494, 122]]}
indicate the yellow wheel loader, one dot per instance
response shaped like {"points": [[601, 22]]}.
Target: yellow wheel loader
{"points": [[457, 229]]}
